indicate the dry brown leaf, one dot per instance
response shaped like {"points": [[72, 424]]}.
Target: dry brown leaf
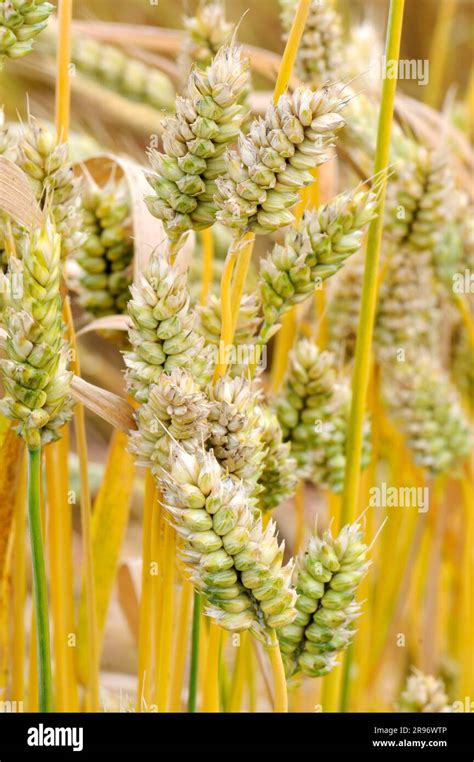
{"points": [[107, 323], [16, 196], [112, 408]]}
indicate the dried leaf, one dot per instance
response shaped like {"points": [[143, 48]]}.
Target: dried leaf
{"points": [[112, 408], [10, 463], [108, 323], [16, 196]]}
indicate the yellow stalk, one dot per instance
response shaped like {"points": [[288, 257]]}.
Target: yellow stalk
{"points": [[321, 322], [166, 620], [283, 347], [91, 633], [63, 85], [227, 317], [361, 373], [238, 675], [250, 675], [157, 542], [439, 51], [109, 522], [19, 590], [181, 641], [207, 264], [61, 577], [146, 599], [241, 268], [331, 690], [461, 303], [291, 49], [210, 696], [467, 627], [280, 698], [299, 519]]}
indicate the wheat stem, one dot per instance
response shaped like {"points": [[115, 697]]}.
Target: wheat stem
{"points": [[166, 619], [439, 50], [210, 699], [291, 49], [180, 652], [63, 85], [146, 599], [467, 679], [60, 559], [227, 317], [278, 673], [286, 337], [361, 373], [194, 668], [40, 587], [238, 675], [207, 264], [19, 589]]}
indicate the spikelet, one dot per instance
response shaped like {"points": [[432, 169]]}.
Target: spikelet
{"points": [[176, 411], [163, 333], [46, 163], [424, 693], [117, 70], [278, 479], [207, 118], [230, 558], [319, 57], [418, 201], [105, 256], [313, 252], [408, 312], [313, 410], [206, 32], [343, 310], [275, 160], [34, 370], [426, 407], [307, 389], [326, 578], [236, 429], [242, 352], [328, 458], [20, 22]]}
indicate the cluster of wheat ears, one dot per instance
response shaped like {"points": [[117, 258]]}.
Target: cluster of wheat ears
{"points": [[294, 379]]}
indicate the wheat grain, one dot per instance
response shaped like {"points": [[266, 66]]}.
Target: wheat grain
{"points": [[35, 376], [207, 118], [274, 160], [327, 577], [20, 22]]}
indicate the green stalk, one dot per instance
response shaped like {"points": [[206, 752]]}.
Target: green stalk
{"points": [[362, 362], [40, 589], [360, 377], [194, 668]]}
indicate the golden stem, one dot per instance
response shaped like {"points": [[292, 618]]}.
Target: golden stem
{"points": [[238, 675], [180, 651], [291, 49], [210, 697], [207, 264], [299, 518], [278, 673], [227, 318], [283, 347], [440, 45], [60, 561], [63, 84], [146, 599], [19, 589], [166, 620]]}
